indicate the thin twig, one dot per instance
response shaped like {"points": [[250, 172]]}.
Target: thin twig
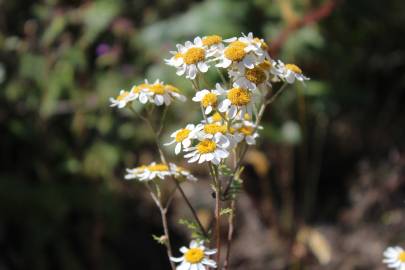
{"points": [[163, 214], [164, 161]]}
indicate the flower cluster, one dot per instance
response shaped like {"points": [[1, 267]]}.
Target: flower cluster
{"points": [[231, 114]]}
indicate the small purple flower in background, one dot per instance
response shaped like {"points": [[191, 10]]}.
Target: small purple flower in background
{"points": [[102, 49]]}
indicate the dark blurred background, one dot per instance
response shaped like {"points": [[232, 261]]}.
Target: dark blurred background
{"points": [[324, 188]]}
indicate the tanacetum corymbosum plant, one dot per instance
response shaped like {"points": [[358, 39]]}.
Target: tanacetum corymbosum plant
{"points": [[231, 113]]}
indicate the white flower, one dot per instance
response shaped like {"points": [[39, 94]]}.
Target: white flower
{"points": [[246, 51], [394, 257], [252, 78], [150, 172], [209, 149], [190, 58], [238, 100], [208, 99], [196, 257], [178, 171], [246, 130], [183, 137], [123, 99], [158, 170], [213, 44], [158, 93], [289, 72]]}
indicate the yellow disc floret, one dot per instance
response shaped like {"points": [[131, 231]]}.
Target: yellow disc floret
{"points": [[158, 167], [214, 128], [211, 40], [401, 256], [178, 55], [293, 68], [239, 96], [256, 75], [122, 96], [262, 44], [247, 131], [209, 99], [206, 146], [194, 255], [217, 117], [158, 88], [182, 134], [172, 88], [235, 51], [194, 55], [266, 65]]}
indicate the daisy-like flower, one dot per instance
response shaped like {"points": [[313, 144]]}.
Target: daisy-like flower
{"points": [[195, 257], [158, 170], [247, 131], [183, 137], [289, 72], [180, 172], [238, 99], [394, 257], [213, 149], [190, 58], [243, 51], [208, 99], [252, 78], [124, 98], [158, 93], [214, 44], [149, 172]]}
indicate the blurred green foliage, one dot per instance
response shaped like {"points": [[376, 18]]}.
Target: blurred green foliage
{"points": [[64, 151]]}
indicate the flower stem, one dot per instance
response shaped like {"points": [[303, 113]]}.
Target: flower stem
{"points": [[164, 161]]}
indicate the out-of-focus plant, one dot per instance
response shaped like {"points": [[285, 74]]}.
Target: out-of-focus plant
{"points": [[231, 113]]}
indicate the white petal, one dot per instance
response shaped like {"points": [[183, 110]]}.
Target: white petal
{"points": [[186, 142], [194, 158], [177, 149], [203, 67], [183, 249]]}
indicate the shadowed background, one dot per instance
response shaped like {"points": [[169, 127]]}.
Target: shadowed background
{"points": [[324, 188]]}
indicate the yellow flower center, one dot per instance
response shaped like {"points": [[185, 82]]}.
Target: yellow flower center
{"points": [[235, 51], [158, 88], [122, 96], [263, 44], [211, 40], [239, 96], [247, 116], [293, 68], [194, 55], [246, 130], [214, 128], [182, 134], [256, 75], [158, 167], [206, 146], [401, 256], [172, 88], [194, 255], [209, 99], [178, 55], [216, 117], [266, 65]]}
